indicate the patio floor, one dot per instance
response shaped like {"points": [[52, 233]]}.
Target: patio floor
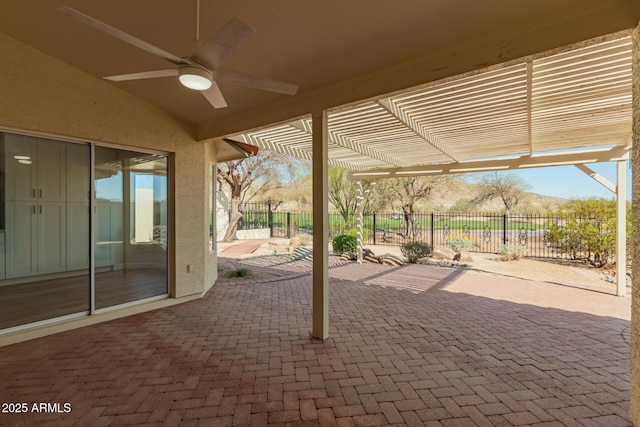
{"points": [[413, 345]]}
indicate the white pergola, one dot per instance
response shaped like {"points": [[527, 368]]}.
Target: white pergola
{"points": [[570, 106]]}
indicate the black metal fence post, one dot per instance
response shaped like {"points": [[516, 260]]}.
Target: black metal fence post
{"points": [[374, 228], [432, 229], [270, 219], [288, 225], [504, 229]]}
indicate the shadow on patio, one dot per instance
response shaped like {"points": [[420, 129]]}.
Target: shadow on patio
{"points": [[416, 345]]}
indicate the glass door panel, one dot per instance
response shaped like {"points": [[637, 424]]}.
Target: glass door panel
{"points": [[44, 229], [131, 226]]}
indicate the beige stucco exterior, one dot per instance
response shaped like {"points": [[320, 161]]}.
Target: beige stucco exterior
{"points": [[635, 302], [44, 96]]}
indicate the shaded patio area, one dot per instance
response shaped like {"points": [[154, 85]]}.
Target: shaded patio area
{"points": [[413, 345]]}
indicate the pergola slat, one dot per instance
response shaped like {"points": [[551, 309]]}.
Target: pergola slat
{"points": [[576, 98]]}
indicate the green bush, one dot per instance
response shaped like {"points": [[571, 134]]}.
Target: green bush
{"points": [[586, 229], [344, 243], [415, 251], [512, 252], [354, 233]]}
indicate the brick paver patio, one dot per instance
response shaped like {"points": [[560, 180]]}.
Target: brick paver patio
{"points": [[414, 345]]}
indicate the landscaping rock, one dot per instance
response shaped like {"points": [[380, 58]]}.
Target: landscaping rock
{"points": [[390, 259], [442, 252], [295, 242], [348, 256], [369, 256], [465, 257]]}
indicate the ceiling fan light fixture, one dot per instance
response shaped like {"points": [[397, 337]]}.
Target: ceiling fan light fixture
{"points": [[195, 78]]}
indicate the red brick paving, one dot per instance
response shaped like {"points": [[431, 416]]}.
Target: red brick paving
{"points": [[404, 350]]}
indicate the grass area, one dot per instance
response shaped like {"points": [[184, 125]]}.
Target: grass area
{"points": [[453, 222]]}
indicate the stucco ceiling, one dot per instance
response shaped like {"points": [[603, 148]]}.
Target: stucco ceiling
{"points": [[315, 45]]}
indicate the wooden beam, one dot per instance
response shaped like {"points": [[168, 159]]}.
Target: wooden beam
{"points": [[290, 151], [616, 153], [597, 177], [349, 144], [408, 121]]}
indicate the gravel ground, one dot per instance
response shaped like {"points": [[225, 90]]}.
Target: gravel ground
{"points": [[554, 271]]}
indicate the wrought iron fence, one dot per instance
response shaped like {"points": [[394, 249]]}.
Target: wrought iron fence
{"points": [[487, 231]]}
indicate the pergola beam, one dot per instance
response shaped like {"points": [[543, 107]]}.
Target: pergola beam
{"points": [[289, 150], [597, 177], [408, 121], [614, 154], [349, 144]]}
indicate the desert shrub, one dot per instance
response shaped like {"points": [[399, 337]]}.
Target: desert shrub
{"points": [[354, 233], [344, 243], [238, 272], [305, 239], [460, 241], [586, 229], [415, 251], [512, 252]]}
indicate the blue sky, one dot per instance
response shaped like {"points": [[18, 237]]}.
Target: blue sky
{"points": [[569, 182]]}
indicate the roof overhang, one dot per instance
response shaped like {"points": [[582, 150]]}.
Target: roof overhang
{"points": [[227, 150]]}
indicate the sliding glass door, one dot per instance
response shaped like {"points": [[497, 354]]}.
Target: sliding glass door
{"points": [[47, 218]]}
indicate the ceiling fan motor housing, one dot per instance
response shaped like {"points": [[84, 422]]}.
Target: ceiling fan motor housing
{"points": [[194, 77]]}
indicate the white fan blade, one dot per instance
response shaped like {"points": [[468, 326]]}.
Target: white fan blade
{"points": [[143, 75], [236, 78], [214, 96], [215, 50], [119, 34]]}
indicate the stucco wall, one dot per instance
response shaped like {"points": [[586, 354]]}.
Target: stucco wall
{"points": [[41, 94], [635, 309]]}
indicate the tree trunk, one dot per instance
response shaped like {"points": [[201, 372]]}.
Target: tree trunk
{"points": [[408, 221], [234, 220]]}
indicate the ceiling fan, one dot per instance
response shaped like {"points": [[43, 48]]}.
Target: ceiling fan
{"points": [[201, 70]]}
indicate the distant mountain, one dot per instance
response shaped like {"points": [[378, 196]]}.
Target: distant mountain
{"points": [[296, 196], [460, 192]]}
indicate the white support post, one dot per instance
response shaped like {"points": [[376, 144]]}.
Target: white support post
{"points": [[359, 210], [621, 229], [320, 276], [620, 190]]}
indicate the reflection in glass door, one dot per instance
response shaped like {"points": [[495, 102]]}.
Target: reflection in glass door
{"points": [[130, 226], [44, 229]]}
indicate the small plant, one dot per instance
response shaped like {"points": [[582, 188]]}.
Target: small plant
{"points": [[238, 272], [305, 239], [415, 251], [512, 252], [354, 233], [460, 241], [344, 243]]}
